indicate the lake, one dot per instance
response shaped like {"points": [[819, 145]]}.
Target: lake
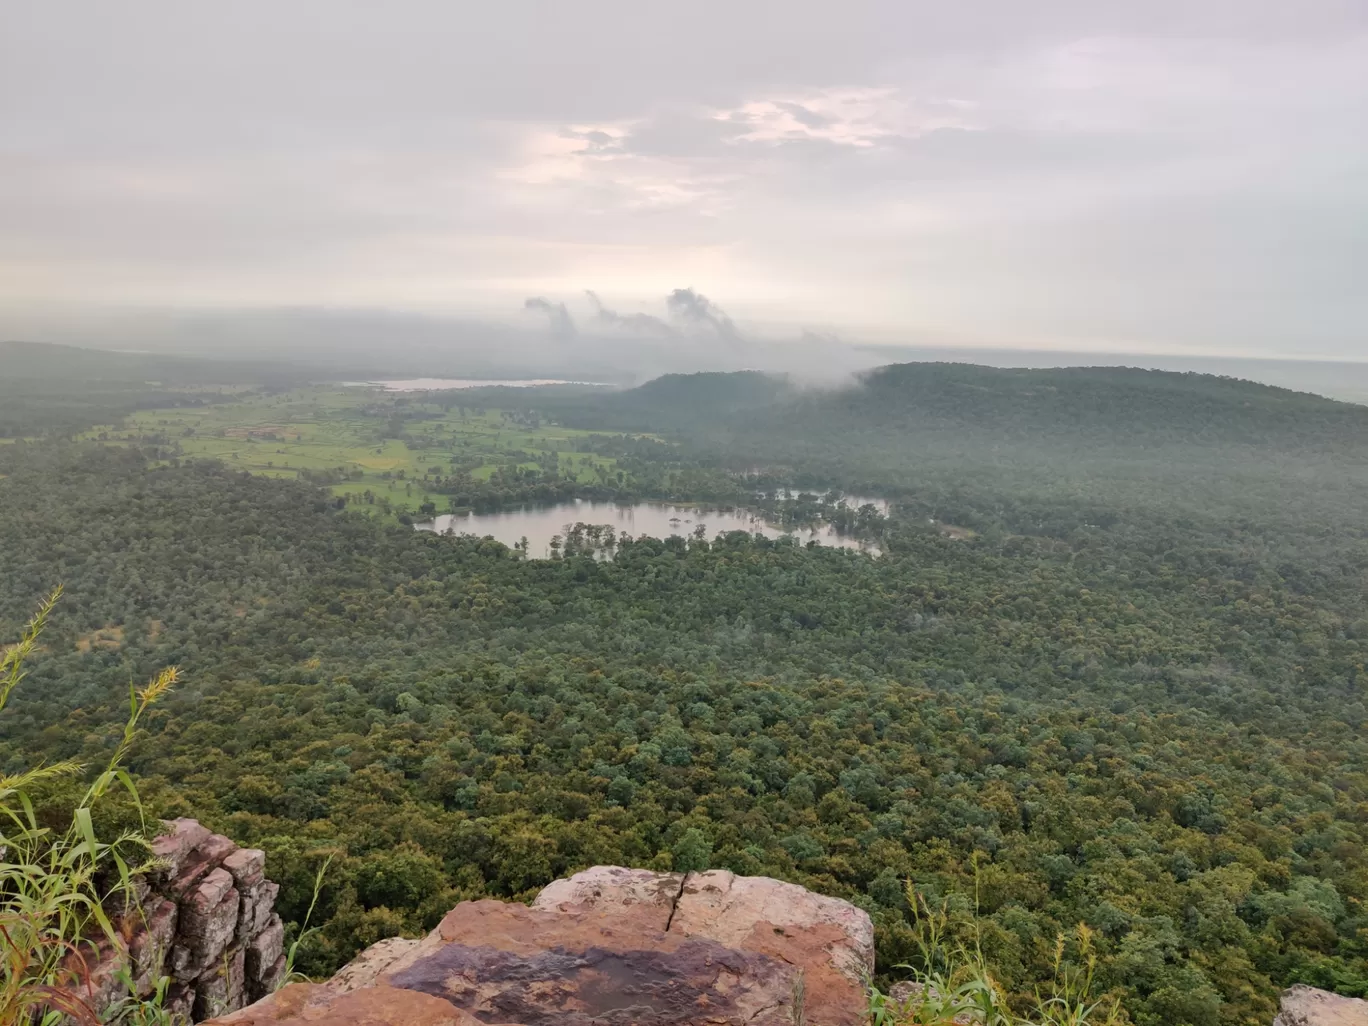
{"points": [[444, 384], [539, 524]]}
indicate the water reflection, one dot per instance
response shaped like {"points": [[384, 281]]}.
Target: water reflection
{"points": [[539, 525]]}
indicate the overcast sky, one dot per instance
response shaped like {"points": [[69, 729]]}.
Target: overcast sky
{"points": [[1156, 175]]}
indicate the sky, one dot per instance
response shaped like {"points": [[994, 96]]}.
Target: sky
{"points": [[1169, 176]]}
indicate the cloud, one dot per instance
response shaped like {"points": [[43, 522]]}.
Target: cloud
{"points": [[640, 322], [562, 324], [1156, 173], [698, 311], [694, 314]]}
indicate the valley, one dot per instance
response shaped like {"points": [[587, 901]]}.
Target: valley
{"points": [[1108, 667]]}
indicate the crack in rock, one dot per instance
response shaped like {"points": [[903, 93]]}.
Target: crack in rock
{"points": [[674, 905]]}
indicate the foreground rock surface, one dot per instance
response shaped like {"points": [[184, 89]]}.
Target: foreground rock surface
{"points": [[301, 1003], [610, 947], [1307, 1006]]}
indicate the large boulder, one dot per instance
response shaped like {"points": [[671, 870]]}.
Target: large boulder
{"points": [[1307, 1006], [623, 947]]}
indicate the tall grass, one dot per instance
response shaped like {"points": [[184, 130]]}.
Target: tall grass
{"points": [[57, 887], [292, 975], [953, 983]]}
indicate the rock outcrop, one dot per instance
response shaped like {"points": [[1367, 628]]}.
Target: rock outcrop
{"points": [[609, 947], [206, 920], [1307, 1006]]}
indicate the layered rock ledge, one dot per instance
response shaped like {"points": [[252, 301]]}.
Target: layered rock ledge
{"points": [[609, 947], [206, 920]]}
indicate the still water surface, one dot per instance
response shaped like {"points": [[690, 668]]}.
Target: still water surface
{"points": [[539, 524]]}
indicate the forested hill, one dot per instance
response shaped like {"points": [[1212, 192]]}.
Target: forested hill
{"points": [[61, 389], [680, 400], [1112, 406], [1003, 446], [1117, 405]]}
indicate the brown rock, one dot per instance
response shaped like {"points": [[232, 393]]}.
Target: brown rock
{"points": [[1307, 1006], [615, 947], [198, 864], [210, 892], [129, 901], [301, 1003], [363, 970], [222, 986], [216, 848], [151, 944], [256, 907], [263, 907], [247, 903], [831, 939], [209, 918], [509, 963], [97, 967], [613, 889], [182, 837], [270, 981], [265, 948], [248, 866], [180, 997]]}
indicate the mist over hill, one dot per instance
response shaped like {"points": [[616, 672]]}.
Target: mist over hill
{"points": [[1091, 406], [609, 347]]}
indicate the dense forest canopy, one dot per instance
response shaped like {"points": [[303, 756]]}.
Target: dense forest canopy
{"points": [[1109, 668]]}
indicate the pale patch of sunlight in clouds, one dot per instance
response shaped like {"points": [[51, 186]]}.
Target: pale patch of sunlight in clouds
{"points": [[596, 165], [859, 117]]}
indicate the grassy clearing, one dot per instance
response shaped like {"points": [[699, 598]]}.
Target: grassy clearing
{"points": [[354, 433]]}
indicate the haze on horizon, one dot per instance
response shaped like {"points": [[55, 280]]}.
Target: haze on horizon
{"points": [[1150, 176]]}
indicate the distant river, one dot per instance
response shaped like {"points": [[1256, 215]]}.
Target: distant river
{"points": [[540, 524], [442, 384]]}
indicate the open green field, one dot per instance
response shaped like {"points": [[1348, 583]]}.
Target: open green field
{"points": [[373, 443]]}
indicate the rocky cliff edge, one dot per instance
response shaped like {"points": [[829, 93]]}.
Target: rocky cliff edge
{"points": [[1307, 1006], [608, 947], [631, 947]]}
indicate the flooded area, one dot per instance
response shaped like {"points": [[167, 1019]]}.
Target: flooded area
{"points": [[545, 524]]}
